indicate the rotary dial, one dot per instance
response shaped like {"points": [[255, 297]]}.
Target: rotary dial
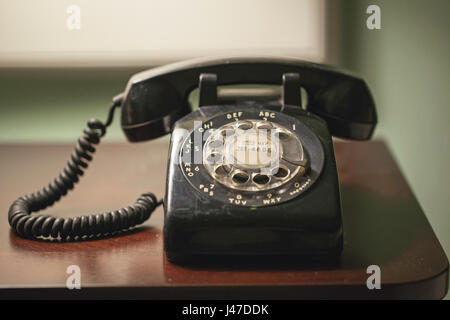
{"points": [[253, 155]]}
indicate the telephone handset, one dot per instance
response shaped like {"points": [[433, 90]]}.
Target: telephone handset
{"points": [[156, 98], [250, 172]]}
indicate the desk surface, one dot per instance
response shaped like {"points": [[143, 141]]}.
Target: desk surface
{"points": [[383, 225]]}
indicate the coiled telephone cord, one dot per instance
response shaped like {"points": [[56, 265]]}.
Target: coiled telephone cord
{"points": [[78, 228]]}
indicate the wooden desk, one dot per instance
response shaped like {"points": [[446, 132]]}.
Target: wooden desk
{"points": [[383, 224]]}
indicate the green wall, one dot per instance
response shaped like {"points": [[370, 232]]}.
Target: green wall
{"points": [[407, 67], [55, 104]]}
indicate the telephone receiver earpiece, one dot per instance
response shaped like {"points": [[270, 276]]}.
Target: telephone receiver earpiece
{"points": [[155, 99]]}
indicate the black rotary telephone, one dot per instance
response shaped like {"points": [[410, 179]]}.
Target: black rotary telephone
{"points": [[250, 172]]}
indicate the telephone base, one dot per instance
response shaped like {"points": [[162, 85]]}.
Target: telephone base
{"points": [[251, 258], [199, 225]]}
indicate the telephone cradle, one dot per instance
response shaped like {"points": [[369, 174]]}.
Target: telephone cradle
{"points": [[251, 171]]}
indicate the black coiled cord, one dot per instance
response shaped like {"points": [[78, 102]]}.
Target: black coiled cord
{"points": [[108, 223]]}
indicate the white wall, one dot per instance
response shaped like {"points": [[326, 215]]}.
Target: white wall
{"points": [[137, 32]]}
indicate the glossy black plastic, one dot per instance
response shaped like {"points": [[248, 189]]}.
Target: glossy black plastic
{"points": [[197, 226], [156, 98]]}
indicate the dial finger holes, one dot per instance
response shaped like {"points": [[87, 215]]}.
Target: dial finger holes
{"points": [[265, 126], [261, 179], [222, 170], [245, 125], [280, 172], [214, 157], [282, 135], [264, 130], [240, 177], [226, 132], [216, 143]]}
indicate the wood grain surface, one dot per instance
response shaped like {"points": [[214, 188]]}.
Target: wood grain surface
{"points": [[383, 225]]}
